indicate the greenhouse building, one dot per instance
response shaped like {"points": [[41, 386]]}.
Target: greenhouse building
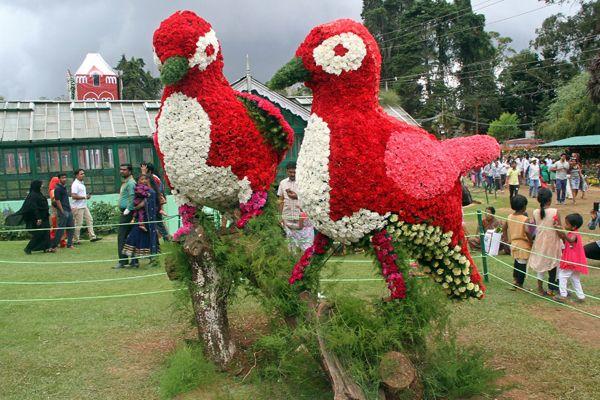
{"points": [[38, 139]]}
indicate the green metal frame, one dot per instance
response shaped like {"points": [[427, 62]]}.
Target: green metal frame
{"points": [[99, 181]]}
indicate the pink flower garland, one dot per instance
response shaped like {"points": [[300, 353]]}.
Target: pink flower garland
{"points": [[252, 208], [187, 213], [319, 247], [384, 250]]}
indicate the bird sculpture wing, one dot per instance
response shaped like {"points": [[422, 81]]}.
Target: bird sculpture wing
{"points": [[424, 167], [270, 122]]}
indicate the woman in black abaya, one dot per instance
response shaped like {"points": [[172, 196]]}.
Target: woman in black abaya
{"points": [[35, 214]]}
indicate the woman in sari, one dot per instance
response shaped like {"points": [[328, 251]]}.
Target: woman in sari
{"points": [[142, 241], [35, 214]]}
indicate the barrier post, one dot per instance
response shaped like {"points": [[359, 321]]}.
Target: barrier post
{"points": [[482, 242]]}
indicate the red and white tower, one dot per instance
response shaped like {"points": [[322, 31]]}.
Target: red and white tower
{"points": [[96, 80]]}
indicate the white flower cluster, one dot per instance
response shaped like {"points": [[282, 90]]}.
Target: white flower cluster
{"points": [[325, 55], [314, 190], [200, 58], [184, 140], [430, 246]]}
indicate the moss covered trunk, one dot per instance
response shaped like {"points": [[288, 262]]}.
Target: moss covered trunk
{"points": [[209, 298]]}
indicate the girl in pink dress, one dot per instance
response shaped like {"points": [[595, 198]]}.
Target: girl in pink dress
{"points": [[573, 262]]}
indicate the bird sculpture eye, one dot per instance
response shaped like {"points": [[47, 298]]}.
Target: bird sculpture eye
{"points": [[339, 53], [207, 49]]}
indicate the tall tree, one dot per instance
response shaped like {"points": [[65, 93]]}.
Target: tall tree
{"points": [[528, 85], [594, 82], [505, 127], [138, 84], [572, 113], [575, 38], [427, 46]]}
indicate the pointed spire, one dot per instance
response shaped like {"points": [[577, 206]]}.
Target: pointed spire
{"points": [[248, 75]]}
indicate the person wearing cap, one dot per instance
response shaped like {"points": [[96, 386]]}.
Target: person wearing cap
{"points": [[534, 177]]}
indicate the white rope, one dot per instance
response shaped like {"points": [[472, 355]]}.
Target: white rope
{"points": [[534, 276], [541, 227], [86, 226], [80, 262], [546, 298], [548, 257]]}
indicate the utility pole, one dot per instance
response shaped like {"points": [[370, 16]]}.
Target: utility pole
{"points": [[477, 116]]}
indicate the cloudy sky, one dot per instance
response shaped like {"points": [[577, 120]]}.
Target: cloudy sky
{"points": [[41, 39]]}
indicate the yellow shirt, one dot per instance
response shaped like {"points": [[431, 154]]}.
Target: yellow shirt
{"points": [[513, 176]]}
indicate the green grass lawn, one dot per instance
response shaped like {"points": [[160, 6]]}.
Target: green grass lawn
{"points": [[114, 348]]}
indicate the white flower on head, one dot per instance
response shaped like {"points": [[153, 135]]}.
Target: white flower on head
{"points": [[207, 49], [314, 189], [343, 52]]}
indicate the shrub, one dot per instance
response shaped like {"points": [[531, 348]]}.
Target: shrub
{"points": [[104, 213]]}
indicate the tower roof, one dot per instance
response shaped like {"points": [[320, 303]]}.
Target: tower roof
{"points": [[94, 61]]}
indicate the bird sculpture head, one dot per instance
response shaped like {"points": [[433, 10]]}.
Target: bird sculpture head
{"points": [[185, 42], [342, 53]]}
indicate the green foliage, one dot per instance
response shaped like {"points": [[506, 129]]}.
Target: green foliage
{"points": [[104, 213], [389, 98], [527, 82], [570, 36], [186, 368], [453, 371], [361, 333], [267, 124], [292, 72], [137, 83], [505, 127], [572, 113], [422, 46], [256, 258]]}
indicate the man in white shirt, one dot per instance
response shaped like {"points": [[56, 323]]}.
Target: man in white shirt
{"points": [[294, 222], [80, 209], [534, 178], [561, 167]]}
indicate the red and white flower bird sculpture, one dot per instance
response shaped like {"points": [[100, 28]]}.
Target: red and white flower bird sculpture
{"points": [[363, 174], [219, 148]]}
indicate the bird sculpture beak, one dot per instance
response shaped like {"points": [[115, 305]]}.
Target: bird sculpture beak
{"points": [[290, 73], [173, 70]]}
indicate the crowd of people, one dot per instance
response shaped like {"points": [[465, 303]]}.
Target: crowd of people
{"points": [[564, 175], [55, 221]]}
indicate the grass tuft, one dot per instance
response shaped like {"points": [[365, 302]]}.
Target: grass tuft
{"points": [[186, 369]]}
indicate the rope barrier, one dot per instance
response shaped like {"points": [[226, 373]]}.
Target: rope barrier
{"points": [[546, 298], [112, 296], [539, 226], [535, 277], [80, 282], [83, 261], [468, 214], [87, 226], [548, 257]]}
